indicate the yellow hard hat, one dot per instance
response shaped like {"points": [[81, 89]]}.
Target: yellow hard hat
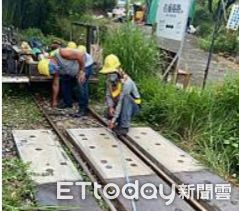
{"points": [[71, 45], [52, 53], [43, 67], [81, 48], [25, 46], [111, 64]]}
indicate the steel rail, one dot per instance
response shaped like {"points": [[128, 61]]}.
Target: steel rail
{"points": [[75, 154], [198, 205], [72, 146]]}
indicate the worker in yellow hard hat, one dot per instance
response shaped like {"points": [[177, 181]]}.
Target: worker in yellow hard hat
{"points": [[122, 96], [69, 64], [82, 49], [71, 45], [83, 87], [56, 44], [88, 58]]}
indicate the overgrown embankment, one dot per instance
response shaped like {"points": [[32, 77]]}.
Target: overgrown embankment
{"points": [[206, 123], [227, 41], [19, 112]]}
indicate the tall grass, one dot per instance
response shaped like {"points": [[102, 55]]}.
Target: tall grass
{"points": [[206, 122], [138, 55]]}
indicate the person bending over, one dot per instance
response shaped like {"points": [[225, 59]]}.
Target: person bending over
{"points": [[64, 62]]}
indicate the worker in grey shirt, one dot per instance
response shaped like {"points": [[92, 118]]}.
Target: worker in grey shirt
{"points": [[122, 96]]}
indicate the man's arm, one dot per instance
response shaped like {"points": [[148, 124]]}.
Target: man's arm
{"points": [[109, 100], [108, 96], [71, 54], [55, 89]]}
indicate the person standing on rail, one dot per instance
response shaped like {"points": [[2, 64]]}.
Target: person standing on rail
{"points": [[122, 96], [84, 87], [65, 62], [67, 83]]}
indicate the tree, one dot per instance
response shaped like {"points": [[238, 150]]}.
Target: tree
{"points": [[47, 14]]}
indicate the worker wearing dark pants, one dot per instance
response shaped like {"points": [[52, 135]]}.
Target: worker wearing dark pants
{"points": [[122, 96], [84, 90], [128, 110], [66, 63], [123, 107], [84, 87], [67, 83]]}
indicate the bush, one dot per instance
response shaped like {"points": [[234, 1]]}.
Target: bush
{"points": [[174, 109], [225, 43], [17, 186], [202, 15], [32, 32], [105, 4], [29, 33], [138, 54], [205, 29], [206, 120]]}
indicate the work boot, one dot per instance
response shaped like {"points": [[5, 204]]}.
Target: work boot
{"points": [[80, 114], [120, 131], [63, 106]]}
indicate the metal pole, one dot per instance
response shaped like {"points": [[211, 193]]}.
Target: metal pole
{"points": [[71, 32], [216, 28], [178, 56], [127, 10], [88, 41], [180, 51]]}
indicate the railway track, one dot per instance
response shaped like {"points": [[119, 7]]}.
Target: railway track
{"points": [[149, 170]]}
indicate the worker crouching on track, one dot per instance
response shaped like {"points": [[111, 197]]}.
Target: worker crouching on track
{"points": [[65, 62], [122, 96]]}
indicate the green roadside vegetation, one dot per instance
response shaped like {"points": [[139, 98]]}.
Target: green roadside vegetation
{"points": [[227, 41], [17, 187], [19, 111], [52, 17], [205, 123]]}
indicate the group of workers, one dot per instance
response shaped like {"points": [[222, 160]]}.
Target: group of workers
{"points": [[73, 63]]}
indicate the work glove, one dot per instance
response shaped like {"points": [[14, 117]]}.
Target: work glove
{"points": [[81, 77], [111, 112], [111, 125]]}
